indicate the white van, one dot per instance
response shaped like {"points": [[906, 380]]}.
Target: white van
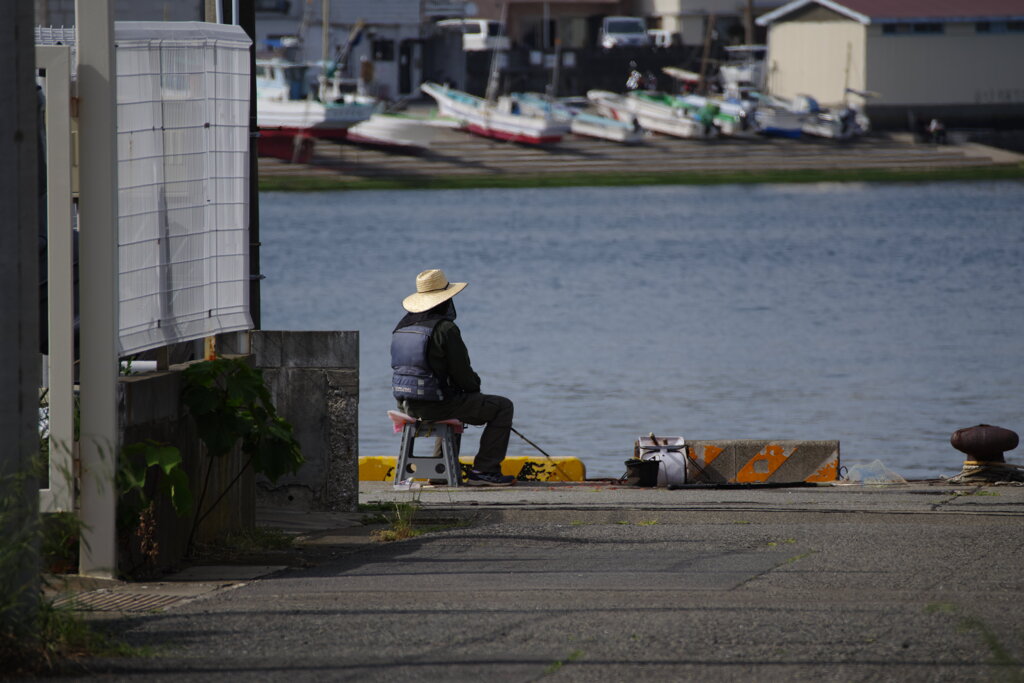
{"points": [[624, 32], [478, 34]]}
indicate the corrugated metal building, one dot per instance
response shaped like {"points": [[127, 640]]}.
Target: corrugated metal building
{"points": [[957, 60]]}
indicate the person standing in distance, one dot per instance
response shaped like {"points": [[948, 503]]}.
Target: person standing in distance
{"points": [[434, 380]]}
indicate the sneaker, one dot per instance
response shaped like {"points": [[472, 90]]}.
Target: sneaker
{"points": [[487, 479]]}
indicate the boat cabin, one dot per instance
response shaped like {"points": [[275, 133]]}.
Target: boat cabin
{"points": [[279, 80]]}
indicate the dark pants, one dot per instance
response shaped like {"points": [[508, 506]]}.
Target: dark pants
{"points": [[476, 409]]}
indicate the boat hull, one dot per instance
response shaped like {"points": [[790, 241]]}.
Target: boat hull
{"points": [[292, 146], [620, 132], [310, 117], [393, 130], [779, 123]]}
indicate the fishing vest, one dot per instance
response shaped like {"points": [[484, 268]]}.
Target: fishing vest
{"points": [[413, 378]]}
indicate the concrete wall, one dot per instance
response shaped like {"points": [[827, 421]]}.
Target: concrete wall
{"points": [[314, 379], [151, 408]]}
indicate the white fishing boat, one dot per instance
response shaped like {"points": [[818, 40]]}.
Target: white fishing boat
{"points": [[743, 66], [582, 122], [399, 130], [731, 116], [596, 126], [835, 123], [501, 119], [652, 111], [778, 122], [774, 117], [285, 106]]}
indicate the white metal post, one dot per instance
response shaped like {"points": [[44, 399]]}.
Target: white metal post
{"points": [[98, 283], [60, 286]]}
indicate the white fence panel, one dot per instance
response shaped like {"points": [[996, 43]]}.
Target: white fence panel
{"points": [[183, 144]]}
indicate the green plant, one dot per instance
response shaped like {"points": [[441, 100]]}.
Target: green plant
{"points": [[139, 459], [19, 601], [144, 468], [554, 667], [231, 405], [401, 523], [36, 637], [60, 534]]}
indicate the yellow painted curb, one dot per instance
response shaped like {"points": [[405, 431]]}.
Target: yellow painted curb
{"points": [[382, 468]]}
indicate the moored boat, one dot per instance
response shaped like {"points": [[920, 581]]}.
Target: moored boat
{"points": [[653, 111], [284, 106], [729, 118], [502, 119], [582, 122], [774, 118], [836, 123]]}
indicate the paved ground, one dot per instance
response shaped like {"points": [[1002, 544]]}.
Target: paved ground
{"points": [[593, 582]]}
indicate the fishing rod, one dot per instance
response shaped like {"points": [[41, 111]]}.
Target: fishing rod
{"points": [[546, 454]]}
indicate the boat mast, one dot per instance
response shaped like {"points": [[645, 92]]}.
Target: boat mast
{"points": [[553, 86], [709, 31], [325, 38], [492, 80]]}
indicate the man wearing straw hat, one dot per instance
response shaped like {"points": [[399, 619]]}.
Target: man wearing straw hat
{"points": [[434, 379]]}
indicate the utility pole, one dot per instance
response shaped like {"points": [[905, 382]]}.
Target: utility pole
{"points": [[19, 313], [748, 22], [98, 285], [709, 32]]}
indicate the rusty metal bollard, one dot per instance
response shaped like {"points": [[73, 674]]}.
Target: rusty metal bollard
{"points": [[984, 446]]}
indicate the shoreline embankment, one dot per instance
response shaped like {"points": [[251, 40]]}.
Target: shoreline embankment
{"points": [[459, 160]]}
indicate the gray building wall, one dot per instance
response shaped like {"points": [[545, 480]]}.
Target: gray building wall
{"points": [[59, 13], [961, 75]]}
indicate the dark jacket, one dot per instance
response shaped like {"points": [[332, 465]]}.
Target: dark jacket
{"points": [[447, 353], [449, 359]]}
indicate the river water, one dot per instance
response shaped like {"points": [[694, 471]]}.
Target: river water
{"points": [[882, 315]]}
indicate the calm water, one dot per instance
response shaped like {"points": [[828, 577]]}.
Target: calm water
{"points": [[885, 316]]}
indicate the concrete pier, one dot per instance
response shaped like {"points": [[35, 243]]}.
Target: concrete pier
{"points": [[597, 582]]}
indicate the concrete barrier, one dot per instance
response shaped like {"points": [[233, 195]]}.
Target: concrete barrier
{"points": [[382, 468], [747, 461], [314, 380]]}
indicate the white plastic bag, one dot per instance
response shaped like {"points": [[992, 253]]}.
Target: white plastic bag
{"points": [[671, 452], [874, 472]]}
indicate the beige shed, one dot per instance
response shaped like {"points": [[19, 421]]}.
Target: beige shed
{"points": [[904, 60]]}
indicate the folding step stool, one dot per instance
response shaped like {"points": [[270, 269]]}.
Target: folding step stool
{"points": [[411, 466]]}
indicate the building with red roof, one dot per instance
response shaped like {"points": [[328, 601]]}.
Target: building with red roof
{"points": [[904, 60]]}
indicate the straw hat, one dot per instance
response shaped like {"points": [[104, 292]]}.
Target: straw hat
{"points": [[432, 288]]}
